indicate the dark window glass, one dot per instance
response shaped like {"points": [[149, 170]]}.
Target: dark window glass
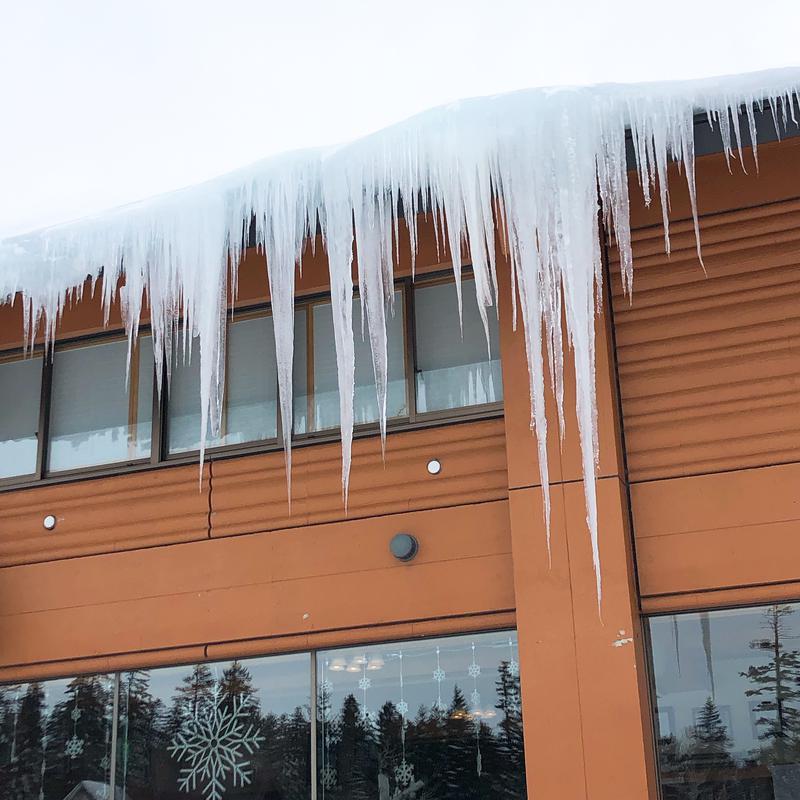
{"points": [[100, 414], [20, 391], [454, 369], [55, 739], [250, 410], [439, 718], [325, 405], [727, 705], [230, 730]]}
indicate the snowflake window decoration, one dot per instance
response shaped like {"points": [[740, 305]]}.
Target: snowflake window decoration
{"points": [[213, 745], [329, 777], [365, 683], [402, 708], [474, 670], [75, 714], [404, 773], [74, 746], [439, 674], [475, 698], [513, 668]]}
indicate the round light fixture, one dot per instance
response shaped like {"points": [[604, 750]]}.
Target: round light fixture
{"points": [[49, 522], [404, 546], [434, 466]]}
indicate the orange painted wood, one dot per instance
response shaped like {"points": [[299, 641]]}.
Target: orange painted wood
{"points": [[249, 494], [718, 531], [281, 583], [722, 598], [616, 725], [564, 456], [104, 515], [582, 674], [709, 365], [554, 755], [720, 189]]}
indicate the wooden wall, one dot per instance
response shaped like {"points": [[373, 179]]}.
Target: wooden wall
{"points": [[709, 376]]}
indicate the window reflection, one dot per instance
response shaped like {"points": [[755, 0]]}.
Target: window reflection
{"points": [[232, 730], [55, 739], [99, 414], [20, 390], [435, 718], [727, 689], [250, 410], [455, 370], [325, 412]]}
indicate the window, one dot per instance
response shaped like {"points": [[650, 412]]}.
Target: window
{"points": [[96, 414], [254, 715], [429, 718], [324, 405], [99, 415], [250, 411], [20, 392], [454, 370], [435, 718], [727, 689], [55, 738]]}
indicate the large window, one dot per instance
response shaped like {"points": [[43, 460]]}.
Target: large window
{"points": [[727, 703], [439, 718], [99, 414], [96, 413], [20, 390]]}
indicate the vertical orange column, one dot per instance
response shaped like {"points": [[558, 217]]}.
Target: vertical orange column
{"points": [[583, 669]]}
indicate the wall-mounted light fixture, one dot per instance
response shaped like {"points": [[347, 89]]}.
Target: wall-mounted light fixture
{"points": [[434, 466], [49, 522], [404, 546]]}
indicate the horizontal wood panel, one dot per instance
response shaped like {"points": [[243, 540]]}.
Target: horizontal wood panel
{"points": [[104, 515], [709, 364], [280, 583], [708, 532], [249, 494]]}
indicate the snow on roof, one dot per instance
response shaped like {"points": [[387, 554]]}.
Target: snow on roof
{"points": [[542, 162]]}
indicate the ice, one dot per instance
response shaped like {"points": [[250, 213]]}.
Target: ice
{"points": [[544, 168]]}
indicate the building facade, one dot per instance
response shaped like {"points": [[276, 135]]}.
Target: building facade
{"points": [[178, 631]]}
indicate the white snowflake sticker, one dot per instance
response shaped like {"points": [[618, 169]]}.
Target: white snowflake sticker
{"points": [[404, 773], [213, 745], [74, 747]]}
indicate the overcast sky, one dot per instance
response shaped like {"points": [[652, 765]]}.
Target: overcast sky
{"points": [[105, 102]]}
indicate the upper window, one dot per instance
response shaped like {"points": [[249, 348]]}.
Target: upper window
{"points": [[455, 367], [250, 407], [20, 392], [323, 404], [96, 412], [727, 688], [99, 414]]}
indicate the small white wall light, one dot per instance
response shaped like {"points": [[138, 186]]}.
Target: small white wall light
{"points": [[434, 466], [49, 522]]}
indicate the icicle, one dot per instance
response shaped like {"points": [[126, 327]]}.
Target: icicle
{"points": [[553, 163]]}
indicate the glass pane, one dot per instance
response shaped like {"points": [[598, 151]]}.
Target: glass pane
{"points": [[251, 393], [728, 703], [454, 371], [300, 372], [326, 387], [247, 722], [55, 739], [439, 718], [20, 393], [94, 417]]}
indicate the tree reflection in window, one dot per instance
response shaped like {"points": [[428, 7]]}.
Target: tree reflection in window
{"points": [[728, 682], [430, 719], [55, 738]]}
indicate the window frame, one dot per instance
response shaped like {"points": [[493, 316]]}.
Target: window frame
{"points": [[159, 453]]}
